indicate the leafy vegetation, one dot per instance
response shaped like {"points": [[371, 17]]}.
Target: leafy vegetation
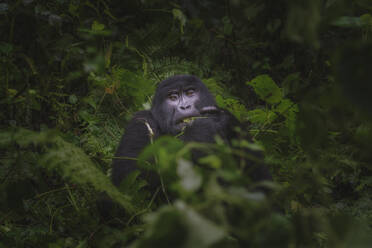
{"points": [[73, 72]]}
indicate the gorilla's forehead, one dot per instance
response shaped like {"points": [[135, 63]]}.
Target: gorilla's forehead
{"points": [[179, 85], [179, 82]]}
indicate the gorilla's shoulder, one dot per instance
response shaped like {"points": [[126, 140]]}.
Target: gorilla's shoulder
{"points": [[143, 116], [142, 120]]}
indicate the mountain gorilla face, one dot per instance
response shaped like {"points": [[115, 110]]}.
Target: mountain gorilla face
{"points": [[178, 101], [182, 104]]}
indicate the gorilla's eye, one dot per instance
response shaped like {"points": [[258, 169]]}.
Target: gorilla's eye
{"points": [[173, 96], [190, 92]]}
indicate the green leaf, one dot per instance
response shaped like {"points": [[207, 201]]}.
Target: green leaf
{"points": [[348, 21], [212, 161], [129, 181], [5, 47], [72, 99], [233, 105], [261, 116], [251, 146], [190, 179], [165, 150], [91, 102], [177, 14], [366, 19], [266, 89], [202, 232], [285, 107], [73, 9], [96, 26], [179, 226]]}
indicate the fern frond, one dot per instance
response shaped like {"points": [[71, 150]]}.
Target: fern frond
{"points": [[67, 159], [169, 66]]}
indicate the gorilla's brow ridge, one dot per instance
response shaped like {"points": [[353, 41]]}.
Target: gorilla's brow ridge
{"points": [[180, 85]]}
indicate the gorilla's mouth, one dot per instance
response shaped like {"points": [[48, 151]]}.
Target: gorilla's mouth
{"points": [[188, 120]]}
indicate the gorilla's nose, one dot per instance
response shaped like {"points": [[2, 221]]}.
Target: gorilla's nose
{"points": [[185, 107]]}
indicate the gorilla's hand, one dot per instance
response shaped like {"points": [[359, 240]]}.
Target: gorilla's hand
{"points": [[217, 118], [210, 110]]}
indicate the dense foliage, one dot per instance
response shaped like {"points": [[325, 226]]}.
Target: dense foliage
{"points": [[73, 72]]}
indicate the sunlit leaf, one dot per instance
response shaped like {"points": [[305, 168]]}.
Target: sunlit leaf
{"points": [[266, 89], [190, 179], [96, 26]]}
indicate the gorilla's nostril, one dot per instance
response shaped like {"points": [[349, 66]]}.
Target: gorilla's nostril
{"points": [[185, 107]]}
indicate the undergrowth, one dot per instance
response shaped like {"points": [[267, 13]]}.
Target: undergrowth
{"points": [[296, 75]]}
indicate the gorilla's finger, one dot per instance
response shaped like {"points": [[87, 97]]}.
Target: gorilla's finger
{"points": [[209, 110]]}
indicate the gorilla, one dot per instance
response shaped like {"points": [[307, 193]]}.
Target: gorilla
{"points": [[182, 106]]}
